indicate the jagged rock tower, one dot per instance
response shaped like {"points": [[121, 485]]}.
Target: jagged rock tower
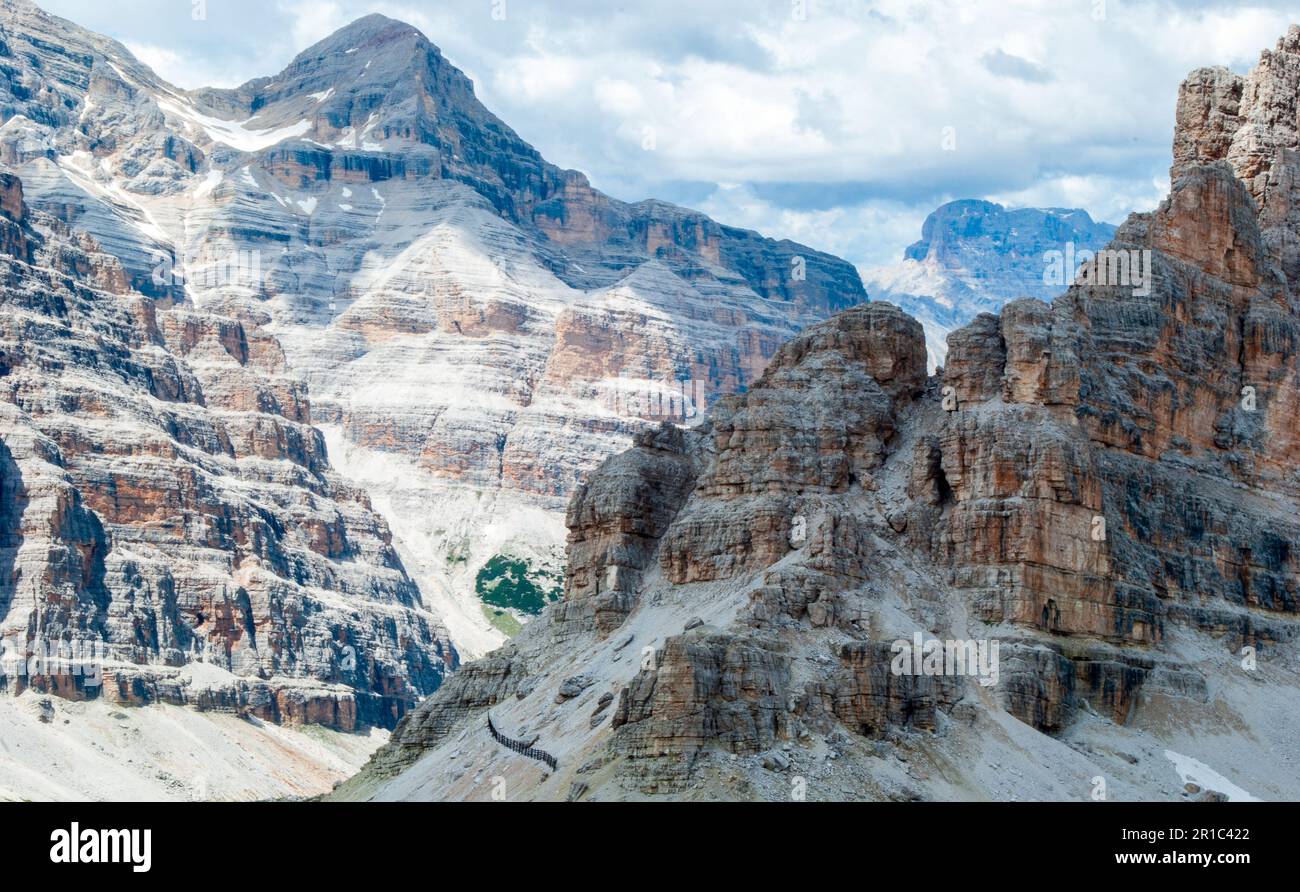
{"points": [[1108, 487]]}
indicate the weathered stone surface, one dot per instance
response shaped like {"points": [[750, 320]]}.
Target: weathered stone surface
{"points": [[479, 328], [167, 503], [869, 698], [615, 522], [572, 687], [717, 691], [1208, 116], [1043, 687], [1112, 498], [818, 422]]}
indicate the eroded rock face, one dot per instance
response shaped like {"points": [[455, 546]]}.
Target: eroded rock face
{"points": [[168, 505], [819, 421], [1106, 487], [615, 524], [479, 328], [705, 691], [868, 697]]}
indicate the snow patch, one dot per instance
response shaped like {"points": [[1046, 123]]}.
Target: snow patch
{"points": [[210, 182], [79, 167], [236, 134], [1193, 772]]}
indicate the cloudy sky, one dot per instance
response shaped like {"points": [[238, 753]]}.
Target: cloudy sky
{"points": [[839, 123]]}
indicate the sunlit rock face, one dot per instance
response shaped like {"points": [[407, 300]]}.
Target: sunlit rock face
{"points": [[1095, 506], [167, 504], [477, 328]]}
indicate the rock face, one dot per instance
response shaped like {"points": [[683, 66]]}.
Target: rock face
{"points": [[976, 256], [617, 521], [478, 328], [1093, 513], [167, 505]]}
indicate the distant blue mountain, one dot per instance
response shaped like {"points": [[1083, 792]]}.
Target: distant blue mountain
{"points": [[974, 256]]}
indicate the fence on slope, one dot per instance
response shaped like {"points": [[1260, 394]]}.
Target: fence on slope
{"points": [[520, 747]]}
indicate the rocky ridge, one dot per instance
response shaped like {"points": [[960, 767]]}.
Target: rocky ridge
{"points": [[1105, 486], [169, 511], [478, 327]]}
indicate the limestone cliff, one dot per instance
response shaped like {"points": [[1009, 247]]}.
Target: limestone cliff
{"points": [[478, 327], [1106, 487], [169, 513]]}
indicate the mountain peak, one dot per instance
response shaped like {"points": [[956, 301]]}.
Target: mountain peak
{"points": [[366, 33], [974, 256], [956, 224]]}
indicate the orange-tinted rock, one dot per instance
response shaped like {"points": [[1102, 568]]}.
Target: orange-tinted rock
{"points": [[167, 502]]}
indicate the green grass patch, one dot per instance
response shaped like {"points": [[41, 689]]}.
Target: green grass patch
{"points": [[503, 621], [458, 554], [514, 584]]}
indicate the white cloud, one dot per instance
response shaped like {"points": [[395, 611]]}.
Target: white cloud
{"points": [[872, 234], [313, 20], [165, 62], [1048, 104], [1110, 199]]}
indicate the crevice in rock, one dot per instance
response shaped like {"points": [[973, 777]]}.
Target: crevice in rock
{"points": [[943, 487]]}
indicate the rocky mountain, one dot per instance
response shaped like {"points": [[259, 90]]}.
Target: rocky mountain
{"points": [[170, 512], [476, 327], [295, 381], [1065, 567], [976, 256]]}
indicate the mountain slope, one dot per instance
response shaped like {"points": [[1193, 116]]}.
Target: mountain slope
{"points": [[976, 256], [1093, 510], [478, 328], [168, 504]]}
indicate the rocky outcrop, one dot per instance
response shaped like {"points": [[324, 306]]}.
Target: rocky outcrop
{"points": [[1088, 520], [13, 211], [868, 697], [479, 328], [615, 525], [704, 692], [819, 421], [168, 505]]}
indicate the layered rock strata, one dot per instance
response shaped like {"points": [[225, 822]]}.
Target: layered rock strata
{"points": [[1096, 504], [169, 513], [479, 328]]}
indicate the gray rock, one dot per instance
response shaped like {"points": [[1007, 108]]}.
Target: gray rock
{"points": [[776, 761], [572, 687]]}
